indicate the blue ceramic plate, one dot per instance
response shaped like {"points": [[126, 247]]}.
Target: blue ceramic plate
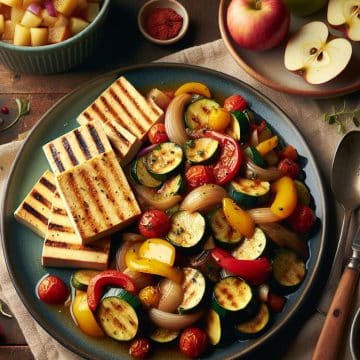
{"points": [[23, 249]]}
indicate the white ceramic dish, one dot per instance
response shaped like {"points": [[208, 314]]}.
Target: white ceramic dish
{"points": [[153, 4]]}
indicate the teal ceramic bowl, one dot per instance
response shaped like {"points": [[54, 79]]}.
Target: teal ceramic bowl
{"points": [[55, 58]]}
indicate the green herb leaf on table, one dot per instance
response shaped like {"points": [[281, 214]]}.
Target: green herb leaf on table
{"points": [[339, 117], [23, 108]]}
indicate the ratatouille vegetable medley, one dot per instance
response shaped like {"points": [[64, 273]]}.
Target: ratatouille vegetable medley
{"points": [[221, 238]]}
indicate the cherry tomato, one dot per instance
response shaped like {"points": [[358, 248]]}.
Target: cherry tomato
{"points": [[53, 290], [276, 302], [235, 102], [302, 219], [139, 348], [157, 134], [5, 110], [154, 223], [193, 342], [199, 175], [289, 168], [288, 152]]}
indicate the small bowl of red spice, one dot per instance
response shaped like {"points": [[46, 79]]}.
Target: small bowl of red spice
{"points": [[163, 21]]}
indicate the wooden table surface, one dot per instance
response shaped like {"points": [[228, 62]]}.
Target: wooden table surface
{"points": [[123, 45]]}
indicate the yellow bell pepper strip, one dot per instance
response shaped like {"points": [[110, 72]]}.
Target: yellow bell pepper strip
{"points": [[267, 145], [158, 249], [286, 197], [238, 218], [84, 316], [193, 88], [135, 262], [219, 119]]}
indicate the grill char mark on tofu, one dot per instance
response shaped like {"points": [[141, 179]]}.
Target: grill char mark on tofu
{"points": [[96, 138], [35, 213], [98, 197], [44, 181], [55, 155], [34, 210], [82, 144], [68, 149]]}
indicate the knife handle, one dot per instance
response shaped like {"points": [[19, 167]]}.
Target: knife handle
{"points": [[329, 341]]}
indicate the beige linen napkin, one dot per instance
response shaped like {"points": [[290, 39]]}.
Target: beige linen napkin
{"points": [[306, 115]]}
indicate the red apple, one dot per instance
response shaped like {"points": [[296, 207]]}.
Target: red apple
{"points": [[258, 24]]}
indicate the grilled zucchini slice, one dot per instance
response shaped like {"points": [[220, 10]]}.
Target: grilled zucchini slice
{"points": [[163, 160], [249, 193], [187, 229], [223, 232], [288, 269], [173, 186], [194, 286], [201, 151], [256, 324], [163, 336], [117, 317], [81, 278], [233, 129], [243, 121], [233, 298], [141, 175], [197, 113], [255, 156], [251, 248]]}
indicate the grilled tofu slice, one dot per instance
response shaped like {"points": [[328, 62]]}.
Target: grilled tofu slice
{"points": [[126, 114], [63, 248], [66, 255], [34, 210], [76, 146], [59, 227], [97, 197]]}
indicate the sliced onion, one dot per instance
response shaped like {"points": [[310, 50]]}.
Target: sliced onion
{"points": [[263, 292], [257, 172], [254, 138], [131, 237], [49, 6], [203, 198], [123, 249], [173, 321], [140, 279], [263, 215], [149, 197], [146, 150], [171, 295], [159, 98], [34, 8], [286, 238], [174, 119]]}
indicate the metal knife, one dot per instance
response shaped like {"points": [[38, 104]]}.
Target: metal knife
{"points": [[329, 341]]}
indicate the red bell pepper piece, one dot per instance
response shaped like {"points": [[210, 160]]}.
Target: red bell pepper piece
{"points": [[229, 163], [255, 272], [105, 278]]}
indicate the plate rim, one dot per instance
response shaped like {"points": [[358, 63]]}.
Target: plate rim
{"points": [[266, 81], [299, 301]]}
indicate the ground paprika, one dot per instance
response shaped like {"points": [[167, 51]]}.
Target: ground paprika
{"points": [[163, 23]]}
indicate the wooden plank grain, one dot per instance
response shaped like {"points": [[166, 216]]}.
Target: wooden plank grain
{"points": [[15, 353]]}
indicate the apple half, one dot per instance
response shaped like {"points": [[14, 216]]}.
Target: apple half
{"points": [[312, 54], [344, 15]]}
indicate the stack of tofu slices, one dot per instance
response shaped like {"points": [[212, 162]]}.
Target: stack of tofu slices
{"points": [[87, 197]]}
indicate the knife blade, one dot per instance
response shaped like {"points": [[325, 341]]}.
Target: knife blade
{"points": [[356, 241]]}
